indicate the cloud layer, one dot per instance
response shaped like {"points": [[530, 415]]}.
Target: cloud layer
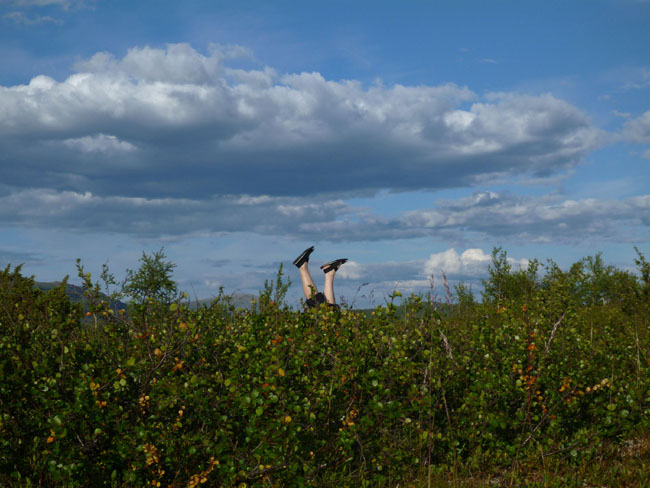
{"points": [[173, 142], [483, 215], [174, 122]]}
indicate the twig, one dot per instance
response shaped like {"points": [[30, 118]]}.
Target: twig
{"points": [[552, 336]]}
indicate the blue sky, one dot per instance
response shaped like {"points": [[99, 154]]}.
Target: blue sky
{"points": [[411, 137]]}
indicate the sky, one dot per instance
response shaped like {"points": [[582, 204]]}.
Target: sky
{"points": [[410, 137]]}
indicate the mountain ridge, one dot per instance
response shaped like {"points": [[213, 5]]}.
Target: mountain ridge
{"points": [[76, 295]]}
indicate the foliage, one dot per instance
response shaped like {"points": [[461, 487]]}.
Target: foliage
{"points": [[274, 293], [504, 283], [542, 372], [152, 281], [644, 269]]}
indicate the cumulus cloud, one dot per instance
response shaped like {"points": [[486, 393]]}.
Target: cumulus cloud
{"points": [[194, 127], [351, 271], [470, 263]]}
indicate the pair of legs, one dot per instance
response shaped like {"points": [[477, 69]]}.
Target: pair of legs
{"points": [[308, 286]]}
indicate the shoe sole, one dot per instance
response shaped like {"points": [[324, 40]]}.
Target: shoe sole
{"points": [[300, 260], [333, 265]]}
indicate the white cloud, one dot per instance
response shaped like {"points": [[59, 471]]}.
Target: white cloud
{"points": [[202, 128], [178, 64], [350, 271], [248, 200], [470, 263], [99, 143]]}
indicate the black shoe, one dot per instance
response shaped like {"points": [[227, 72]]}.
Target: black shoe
{"points": [[304, 257], [333, 265]]}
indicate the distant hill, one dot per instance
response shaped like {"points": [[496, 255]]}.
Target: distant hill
{"points": [[76, 293], [238, 300]]}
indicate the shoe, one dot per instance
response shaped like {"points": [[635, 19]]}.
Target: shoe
{"points": [[333, 265], [304, 257]]}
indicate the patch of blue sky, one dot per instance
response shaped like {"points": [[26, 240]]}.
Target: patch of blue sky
{"points": [[616, 171]]}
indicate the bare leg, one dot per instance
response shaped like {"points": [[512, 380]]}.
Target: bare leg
{"points": [[308, 286], [329, 287]]}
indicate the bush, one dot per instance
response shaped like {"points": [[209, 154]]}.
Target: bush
{"points": [[165, 395]]}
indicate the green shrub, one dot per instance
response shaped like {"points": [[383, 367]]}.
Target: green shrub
{"points": [[164, 395]]}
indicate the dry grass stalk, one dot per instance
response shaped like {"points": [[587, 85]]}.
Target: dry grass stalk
{"points": [[447, 345], [446, 284], [432, 286]]}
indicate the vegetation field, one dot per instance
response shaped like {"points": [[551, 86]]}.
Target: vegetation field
{"points": [[544, 381]]}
